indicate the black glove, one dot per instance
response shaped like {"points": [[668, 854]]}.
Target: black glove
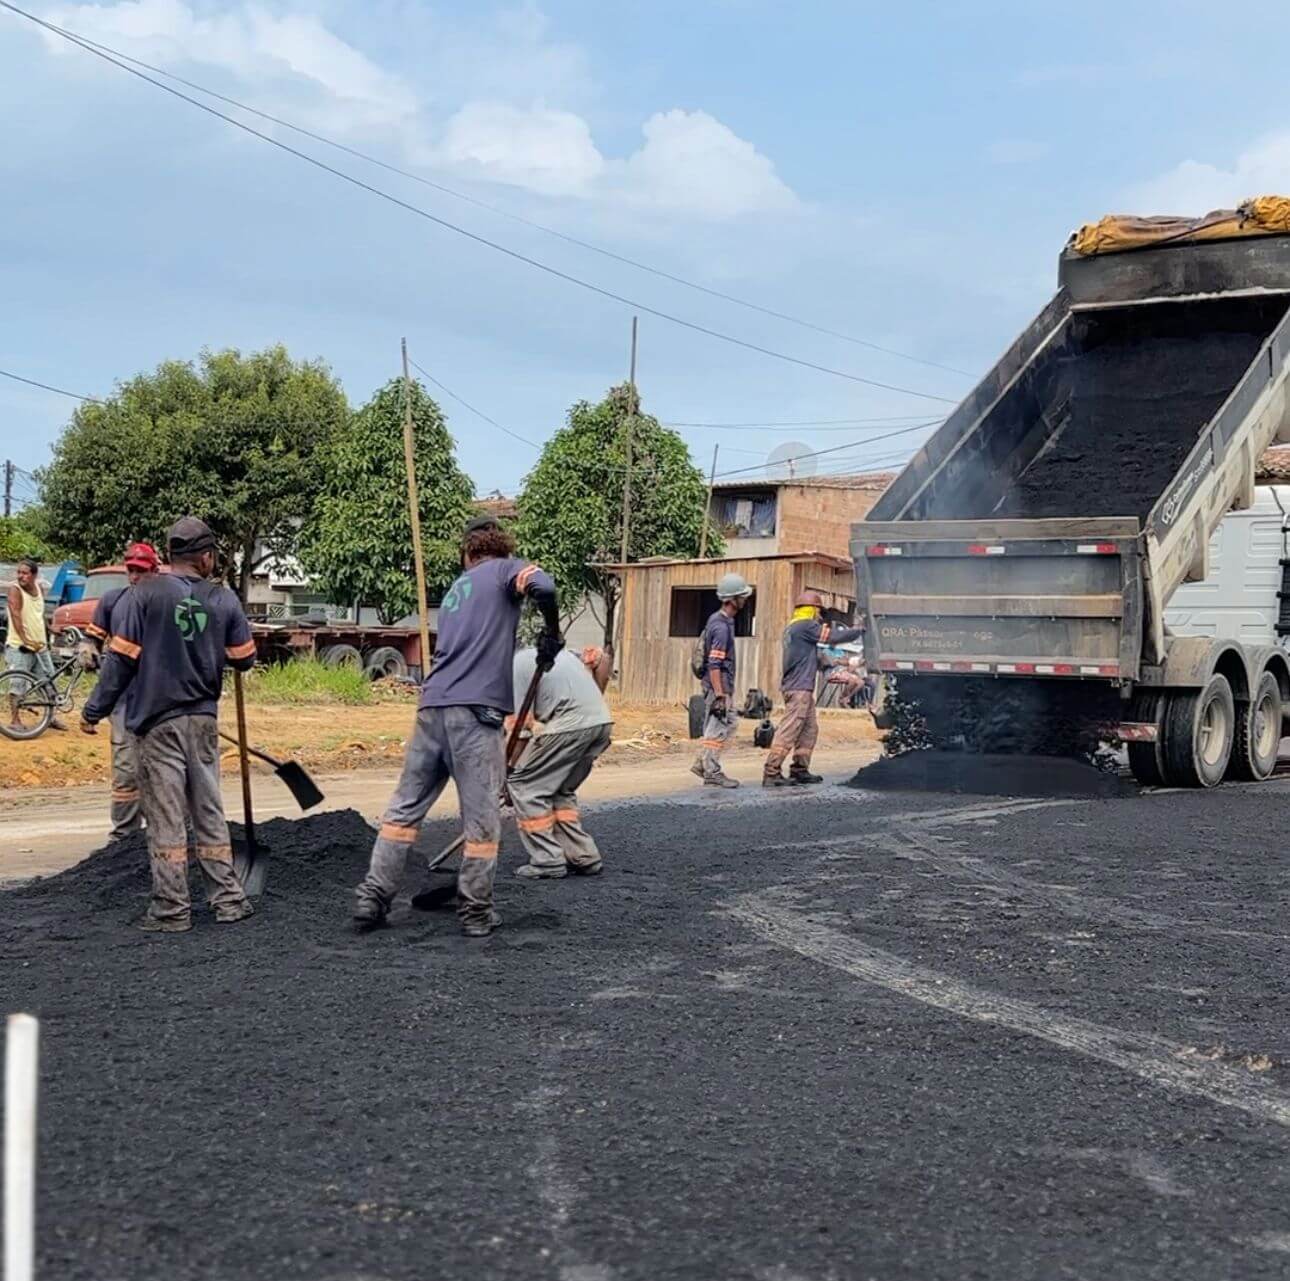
{"points": [[719, 705], [549, 644]]}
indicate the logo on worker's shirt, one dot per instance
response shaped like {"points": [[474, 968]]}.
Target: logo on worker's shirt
{"points": [[190, 617], [457, 595]]}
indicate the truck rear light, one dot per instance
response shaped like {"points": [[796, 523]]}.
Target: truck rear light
{"points": [[1097, 549], [883, 549], [986, 549], [1136, 732]]}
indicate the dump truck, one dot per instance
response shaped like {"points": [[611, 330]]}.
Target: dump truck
{"points": [[1017, 572]]}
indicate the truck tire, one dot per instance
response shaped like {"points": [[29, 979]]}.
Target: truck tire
{"points": [[1199, 729], [341, 656], [385, 661], [1258, 733], [1147, 760], [696, 715]]}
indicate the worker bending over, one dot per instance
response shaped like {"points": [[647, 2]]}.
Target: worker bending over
{"points": [[720, 719], [26, 642], [140, 560], [464, 703], [574, 727], [799, 728], [171, 637]]}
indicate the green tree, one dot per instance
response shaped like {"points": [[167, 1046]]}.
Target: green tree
{"points": [[358, 543], [23, 535], [571, 507], [234, 439]]}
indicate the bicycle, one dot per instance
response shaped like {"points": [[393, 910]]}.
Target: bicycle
{"points": [[28, 702]]}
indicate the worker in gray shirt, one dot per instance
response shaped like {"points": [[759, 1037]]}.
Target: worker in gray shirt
{"points": [[574, 726]]}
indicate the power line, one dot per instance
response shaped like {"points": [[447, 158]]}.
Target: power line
{"points": [[58, 391], [479, 413], [462, 231], [805, 422], [836, 449], [506, 213]]}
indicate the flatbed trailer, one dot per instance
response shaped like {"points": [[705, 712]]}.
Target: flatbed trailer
{"points": [[1016, 573], [379, 651]]}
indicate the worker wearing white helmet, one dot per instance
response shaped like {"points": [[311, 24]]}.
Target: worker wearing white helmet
{"points": [[720, 721]]}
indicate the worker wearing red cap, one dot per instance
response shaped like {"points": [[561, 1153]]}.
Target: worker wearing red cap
{"points": [[127, 815]]}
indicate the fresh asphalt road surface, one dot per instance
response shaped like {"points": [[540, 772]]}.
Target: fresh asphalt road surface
{"points": [[785, 1037]]}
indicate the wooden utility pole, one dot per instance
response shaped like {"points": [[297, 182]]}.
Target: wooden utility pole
{"points": [[631, 422], [707, 510], [414, 513], [8, 488]]}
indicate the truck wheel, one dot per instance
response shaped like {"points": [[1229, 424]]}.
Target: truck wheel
{"points": [[385, 661], [342, 656], [1199, 729], [696, 708], [1147, 760], [1258, 733]]}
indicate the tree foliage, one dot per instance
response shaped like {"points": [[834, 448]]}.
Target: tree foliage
{"points": [[236, 440], [358, 544], [571, 507], [23, 535]]}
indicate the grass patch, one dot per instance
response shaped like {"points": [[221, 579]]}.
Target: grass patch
{"points": [[306, 680]]}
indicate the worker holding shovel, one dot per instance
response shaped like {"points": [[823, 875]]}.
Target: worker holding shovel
{"points": [[464, 702], [172, 635]]}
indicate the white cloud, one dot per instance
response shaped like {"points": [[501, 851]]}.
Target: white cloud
{"points": [[543, 150], [692, 163], [251, 43], [1015, 151], [1195, 187]]}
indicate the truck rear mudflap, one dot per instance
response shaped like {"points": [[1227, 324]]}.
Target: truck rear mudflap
{"points": [[1016, 598]]}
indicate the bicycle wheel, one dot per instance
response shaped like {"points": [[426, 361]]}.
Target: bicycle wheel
{"points": [[26, 707]]}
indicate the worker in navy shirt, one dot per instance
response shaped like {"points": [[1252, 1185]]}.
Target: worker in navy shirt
{"points": [[464, 702], [799, 727], [172, 635], [720, 719], [141, 559]]}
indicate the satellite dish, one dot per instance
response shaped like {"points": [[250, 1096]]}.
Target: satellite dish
{"points": [[790, 461]]}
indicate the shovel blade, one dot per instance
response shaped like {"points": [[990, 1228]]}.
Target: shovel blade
{"points": [[299, 784], [251, 868]]}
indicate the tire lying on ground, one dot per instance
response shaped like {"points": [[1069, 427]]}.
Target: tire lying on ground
{"points": [[1258, 733], [341, 656], [696, 715], [1200, 727], [385, 661]]}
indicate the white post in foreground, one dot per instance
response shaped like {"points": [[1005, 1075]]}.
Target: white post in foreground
{"points": [[21, 1042]]}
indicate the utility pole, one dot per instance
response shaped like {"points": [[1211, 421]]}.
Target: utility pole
{"points": [[631, 422], [414, 513], [8, 487], [707, 510]]}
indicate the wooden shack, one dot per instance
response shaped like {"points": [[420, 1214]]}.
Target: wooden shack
{"points": [[665, 605]]}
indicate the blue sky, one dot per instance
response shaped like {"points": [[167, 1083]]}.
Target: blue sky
{"points": [[903, 174]]}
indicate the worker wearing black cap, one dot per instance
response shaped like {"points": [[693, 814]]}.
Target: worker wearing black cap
{"points": [[166, 657], [458, 734]]}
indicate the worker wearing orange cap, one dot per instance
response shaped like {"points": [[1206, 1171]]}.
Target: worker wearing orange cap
{"points": [[799, 727], [127, 815]]}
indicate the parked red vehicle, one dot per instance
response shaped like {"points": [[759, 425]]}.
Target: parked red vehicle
{"points": [[70, 620]]}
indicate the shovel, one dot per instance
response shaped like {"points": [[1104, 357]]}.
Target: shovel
{"points": [[435, 897], [297, 780]]}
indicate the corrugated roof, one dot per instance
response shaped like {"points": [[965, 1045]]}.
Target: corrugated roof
{"points": [[866, 480], [500, 506], [658, 562]]}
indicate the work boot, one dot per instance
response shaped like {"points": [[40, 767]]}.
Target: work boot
{"points": [[697, 769], [368, 915], [167, 925], [481, 927], [532, 872], [800, 774], [719, 780], [775, 779], [587, 869], [238, 912]]}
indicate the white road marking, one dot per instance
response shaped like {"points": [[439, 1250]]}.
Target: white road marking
{"points": [[1154, 1059]]}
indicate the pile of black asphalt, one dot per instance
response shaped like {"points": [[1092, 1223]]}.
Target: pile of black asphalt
{"points": [[990, 774], [707, 1063]]}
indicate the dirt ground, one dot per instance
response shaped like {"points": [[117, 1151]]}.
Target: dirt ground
{"points": [[331, 738]]}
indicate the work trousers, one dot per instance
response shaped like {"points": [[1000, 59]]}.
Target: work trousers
{"points": [[448, 742], [544, 790], [799, 729], [127, 815], [179, 790], [718, 734]]}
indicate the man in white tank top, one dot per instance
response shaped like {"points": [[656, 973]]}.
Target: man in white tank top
{"points": [[26, 644]]}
